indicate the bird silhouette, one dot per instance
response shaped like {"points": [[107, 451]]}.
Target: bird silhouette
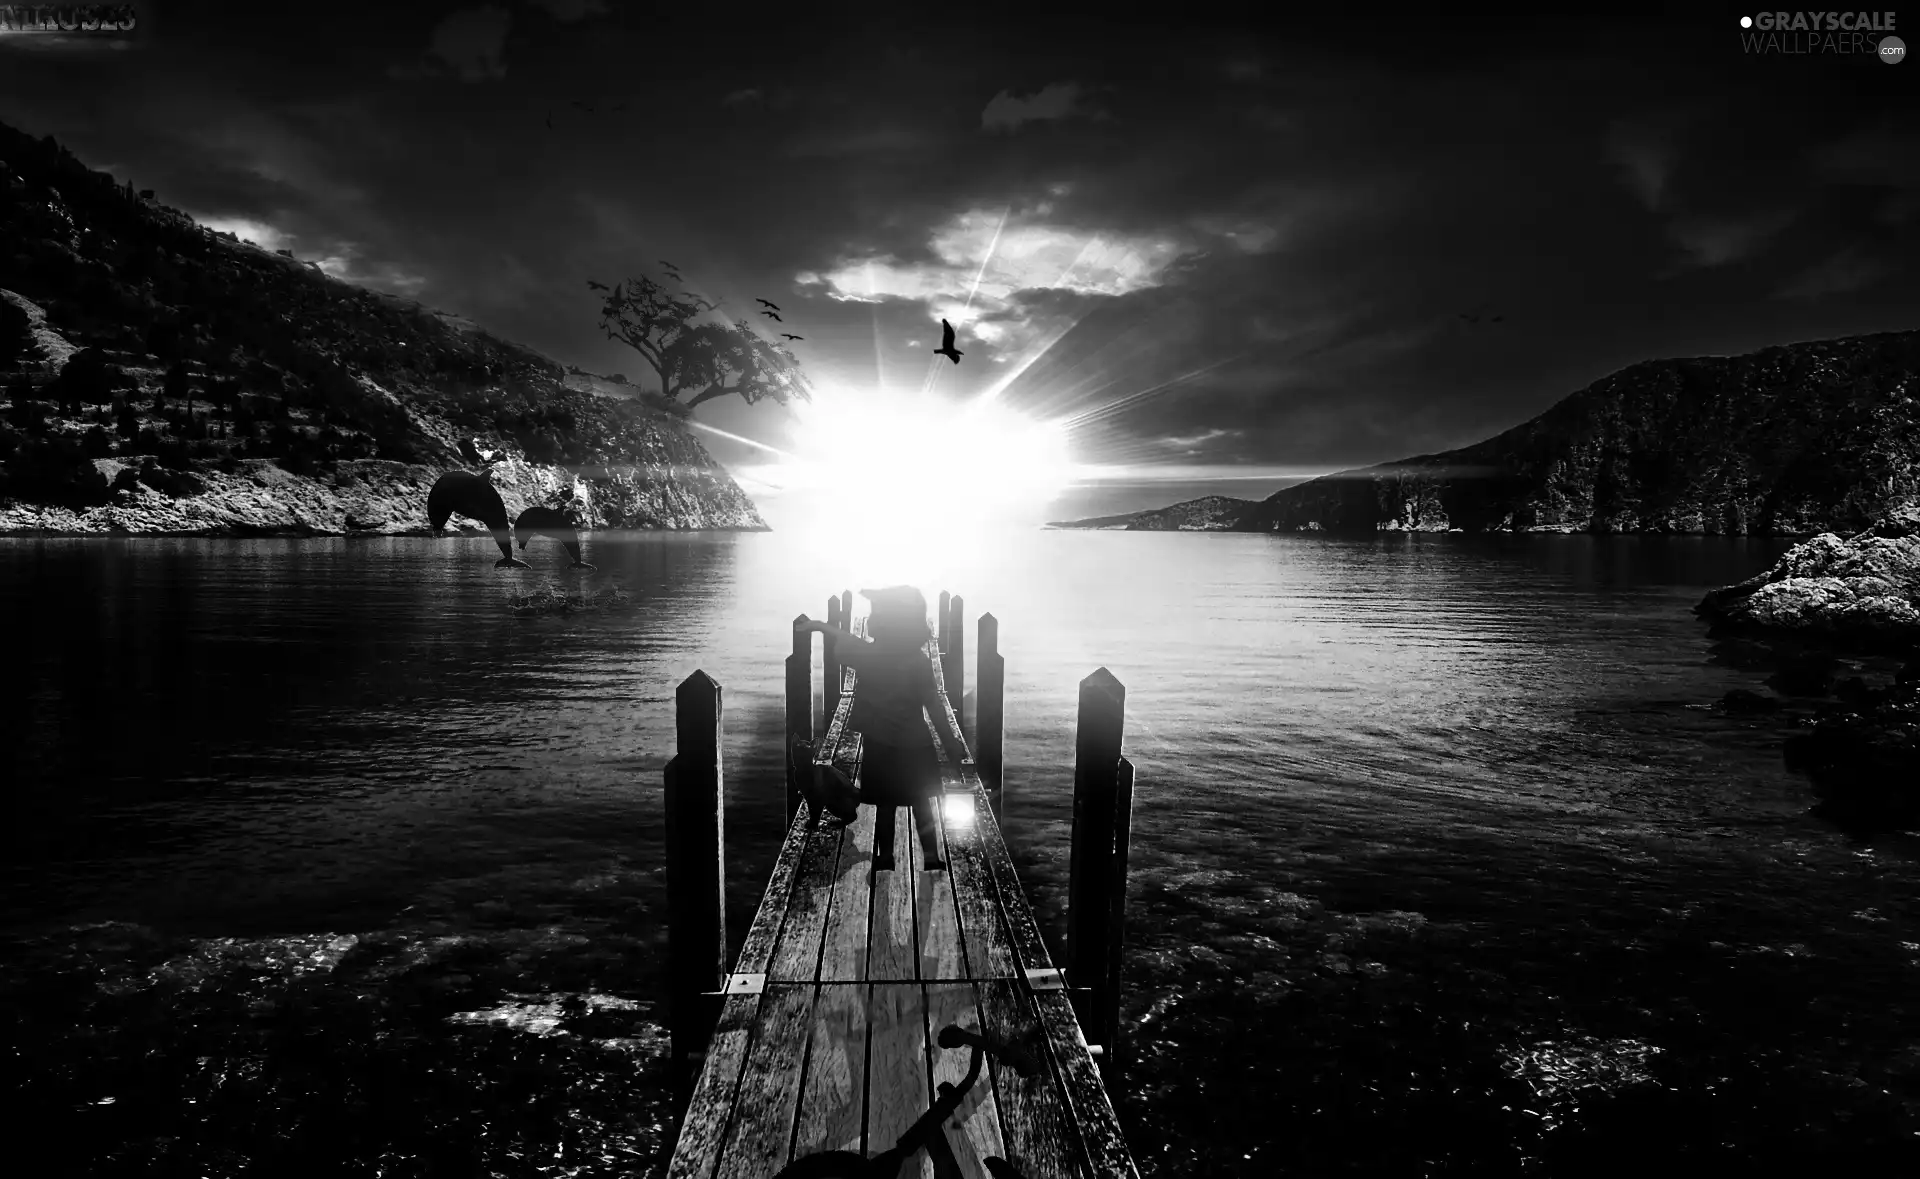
{"points": [[773, 317], [587, 107], [766, 303], [946, 347], [1498, 318], [668, 265], [790, 336], [549, 120]]}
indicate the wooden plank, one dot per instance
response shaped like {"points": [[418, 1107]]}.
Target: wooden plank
{"points": [[1029, 948], [1035, 1120], [936, 919], [974, 1129], [1092, 1112], [892, 955], [797, 956], [844, 954], [899, 1079], [757, 951], [696, 1155], [759, 1138], [833, 1098], [983, 938]]}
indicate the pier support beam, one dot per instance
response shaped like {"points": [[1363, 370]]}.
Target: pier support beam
{"points": [[990, 711], [830, 691], [799, 707], [696, 873], [1096, 887], [953, 657], [942, 616]]}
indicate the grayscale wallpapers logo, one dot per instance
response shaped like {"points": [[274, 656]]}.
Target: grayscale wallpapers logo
{"points": [[1804, 33]]}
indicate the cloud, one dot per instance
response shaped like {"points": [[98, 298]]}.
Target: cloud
{"points": [[863, 141], [1717, 241], [341, 260], [1004, 284], [568, 11], [1852, 269], [1644, 159], [1191, 443], [247, 230], [469, 44], [1057, 101]]}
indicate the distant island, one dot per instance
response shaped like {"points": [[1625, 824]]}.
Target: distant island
{"points": [[162, 378], [1787, 441]]}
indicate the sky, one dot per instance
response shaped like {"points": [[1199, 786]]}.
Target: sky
{"points": [[1228, 255]]}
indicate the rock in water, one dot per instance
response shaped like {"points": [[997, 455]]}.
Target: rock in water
{"points": [[1864, 758], [1861, 591]]}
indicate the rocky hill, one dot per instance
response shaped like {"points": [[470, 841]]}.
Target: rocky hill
{"points": [[161, 377], [1788, 441], [1209, 513]]}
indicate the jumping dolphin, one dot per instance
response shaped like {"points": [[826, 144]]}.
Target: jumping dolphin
{"points": [[557, 523], [467, 494]]}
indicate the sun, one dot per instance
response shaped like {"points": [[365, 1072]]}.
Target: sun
{"points": [[899, 464]]}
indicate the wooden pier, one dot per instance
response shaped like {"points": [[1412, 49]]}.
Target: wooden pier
{"points": [[858, 997]]}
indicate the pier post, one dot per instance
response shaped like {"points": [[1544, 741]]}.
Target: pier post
{"points": [[941, 618], [990, 711], [846, 610], [696, 872], [799, 707], [1116, 922], [1091, 900], [953, 666], [830, 688]]}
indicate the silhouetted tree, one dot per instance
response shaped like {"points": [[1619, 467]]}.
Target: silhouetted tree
{"points": [[96, 443], [126, 419], [176, 387], [700, 360]]}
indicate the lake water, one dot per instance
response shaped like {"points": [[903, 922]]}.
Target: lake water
{"points": [[1440, 865]]}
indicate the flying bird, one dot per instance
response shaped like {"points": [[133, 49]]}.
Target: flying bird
{"points": [[766, 303], [549, 120], [790, 336], [773, 317], [946, 347], [583, 106], [668, 265]]}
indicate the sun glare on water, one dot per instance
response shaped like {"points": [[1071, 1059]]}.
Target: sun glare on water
{"points": [[914, 484]]}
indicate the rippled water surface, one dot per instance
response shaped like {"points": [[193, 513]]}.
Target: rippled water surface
{"points": [[1439, 864]]}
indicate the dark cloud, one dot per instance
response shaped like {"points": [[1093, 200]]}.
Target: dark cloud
{"points": [[468, 44], [1257, 258]]}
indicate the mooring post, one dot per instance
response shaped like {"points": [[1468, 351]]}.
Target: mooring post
{"points": [[846, 610], [799, 706], [696, 873], [830, 688], [942, 618], [990, 711], [1116, 920], [1090, 882], [954, 666]]}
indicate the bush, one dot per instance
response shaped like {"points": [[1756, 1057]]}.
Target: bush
{"points": [[95, 443], [17, 345], [88, 377]]}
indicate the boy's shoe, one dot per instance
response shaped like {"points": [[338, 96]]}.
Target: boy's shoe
{"points": [[883, 863], [935, 864]]}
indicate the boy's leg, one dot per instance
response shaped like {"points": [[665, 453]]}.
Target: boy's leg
{"points": [[883, 816], [929, 832]]}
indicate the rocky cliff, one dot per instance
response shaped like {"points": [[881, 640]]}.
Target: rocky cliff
{"points": [[1209, 513], [1788, 441], [161, 377]]}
